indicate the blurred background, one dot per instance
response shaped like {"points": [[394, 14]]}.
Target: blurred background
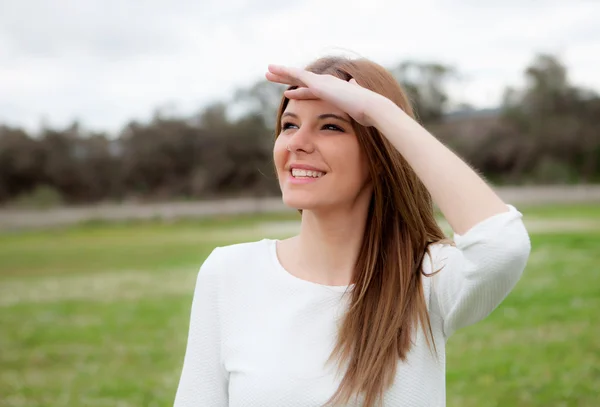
{"points": [[137, 136]]}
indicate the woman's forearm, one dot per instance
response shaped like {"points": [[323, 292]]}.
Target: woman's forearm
{"points": [[462, 195]]}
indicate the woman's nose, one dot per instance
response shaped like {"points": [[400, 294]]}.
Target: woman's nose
{"points": [[301, 141]]}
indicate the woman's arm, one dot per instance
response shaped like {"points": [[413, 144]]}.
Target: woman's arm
{"points": [[479, 271], [492, 244], [203, 379], [462, 195]]}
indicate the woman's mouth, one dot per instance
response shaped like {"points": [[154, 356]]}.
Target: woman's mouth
{"points": [[301, 176], [299, 173]]}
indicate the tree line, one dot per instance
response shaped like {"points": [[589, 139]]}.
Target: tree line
{"points": [[547, 131]]}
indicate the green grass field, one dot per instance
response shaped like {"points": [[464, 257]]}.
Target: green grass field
{"points": [[97, 314]]}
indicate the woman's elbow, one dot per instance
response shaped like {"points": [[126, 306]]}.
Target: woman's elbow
{"points": [[514, 255]]}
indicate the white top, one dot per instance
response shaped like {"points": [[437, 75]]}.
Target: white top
{"points": [[259, 336]]}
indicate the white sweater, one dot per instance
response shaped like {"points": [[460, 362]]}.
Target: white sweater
{"points": [[259, 337]]}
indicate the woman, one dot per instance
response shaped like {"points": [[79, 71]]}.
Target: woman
{"points": [[357, 307]]}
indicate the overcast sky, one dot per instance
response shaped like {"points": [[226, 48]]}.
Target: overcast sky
{"points": [[105, 62]]}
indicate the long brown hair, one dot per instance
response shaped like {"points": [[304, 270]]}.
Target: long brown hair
{"points": [[387, 303]]}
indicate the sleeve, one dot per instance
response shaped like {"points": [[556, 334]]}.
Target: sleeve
{"points": [[480, 270], [203, 380]]}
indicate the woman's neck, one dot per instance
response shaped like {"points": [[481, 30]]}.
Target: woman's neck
{"points": [[328, 245]]}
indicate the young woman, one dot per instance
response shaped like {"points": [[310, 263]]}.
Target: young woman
{"points": [[355, 310]]}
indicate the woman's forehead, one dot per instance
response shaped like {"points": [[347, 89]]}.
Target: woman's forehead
{"points": [[313, 107]]}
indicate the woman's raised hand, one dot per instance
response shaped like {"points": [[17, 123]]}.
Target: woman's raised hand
{"points": [[349, 96]]}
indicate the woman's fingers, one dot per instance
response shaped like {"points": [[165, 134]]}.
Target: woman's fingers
{"points": [[285, 71], [286, 80], [287, 75], [278, 79], [300, 93]]}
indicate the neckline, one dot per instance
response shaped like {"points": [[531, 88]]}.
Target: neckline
{"points": [[297, 280]]}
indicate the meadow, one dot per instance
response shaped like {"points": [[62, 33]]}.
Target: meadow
{"points": [[96, 314]]}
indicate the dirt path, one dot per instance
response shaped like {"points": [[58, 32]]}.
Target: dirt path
{"points": [[18, 219]]}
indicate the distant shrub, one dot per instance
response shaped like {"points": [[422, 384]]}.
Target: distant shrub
{"points": [[41, 197]]}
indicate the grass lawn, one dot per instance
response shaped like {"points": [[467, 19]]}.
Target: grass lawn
{"points": [[96, 315]]}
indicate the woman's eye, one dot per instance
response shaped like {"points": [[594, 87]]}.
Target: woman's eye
{"points": [[333, 127], [287, 125]]}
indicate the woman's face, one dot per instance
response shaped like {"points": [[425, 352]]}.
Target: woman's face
{"points": [[325, 168]]}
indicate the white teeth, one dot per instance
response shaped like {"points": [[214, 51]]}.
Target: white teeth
{"points": [[296, 172]]}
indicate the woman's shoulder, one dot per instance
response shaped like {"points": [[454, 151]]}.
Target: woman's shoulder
{"points": [[242, 250], [439, 251], [227, 259]]}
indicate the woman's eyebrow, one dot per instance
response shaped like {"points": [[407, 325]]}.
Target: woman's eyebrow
{"points": [[334, 116], [320, 117]]}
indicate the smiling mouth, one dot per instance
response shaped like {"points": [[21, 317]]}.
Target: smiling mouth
{"points": [[306, 174]]}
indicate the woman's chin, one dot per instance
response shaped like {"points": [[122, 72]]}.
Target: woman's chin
{"points": [[296, 200]]}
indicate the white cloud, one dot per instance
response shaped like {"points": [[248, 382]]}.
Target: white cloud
{"points": [[106, 62]]}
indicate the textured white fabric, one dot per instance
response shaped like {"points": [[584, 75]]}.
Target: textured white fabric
{"points": [[259, 337]]}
